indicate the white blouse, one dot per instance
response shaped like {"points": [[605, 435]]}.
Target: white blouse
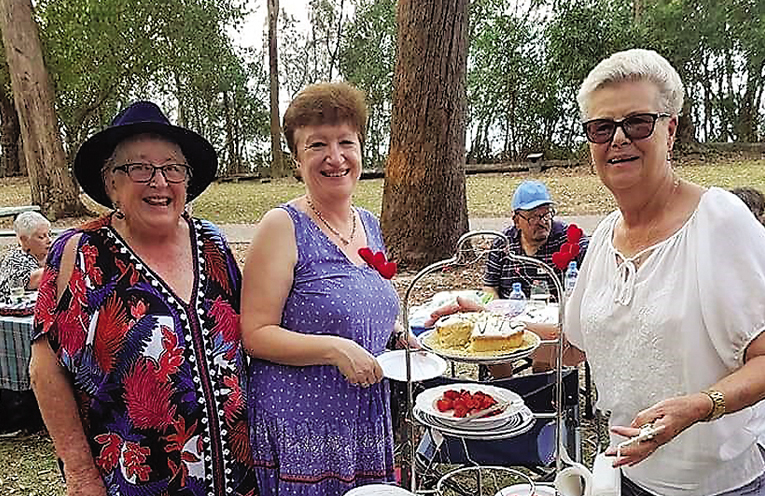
{"points": [[675, 325]]}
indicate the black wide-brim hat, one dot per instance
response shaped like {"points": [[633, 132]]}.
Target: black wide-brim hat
{"points": [[143, 118]]}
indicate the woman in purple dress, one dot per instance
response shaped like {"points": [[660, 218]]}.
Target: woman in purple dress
{"points": [[315, 315]]}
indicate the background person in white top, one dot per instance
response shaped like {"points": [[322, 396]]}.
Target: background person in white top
{"points": [[669, 303]]}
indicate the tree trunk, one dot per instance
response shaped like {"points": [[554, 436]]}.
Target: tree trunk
{"points": [[233, 159], [277, 161], [748, 118], [10, 134], [51, 183], [333, 53], [424, 209], [686, 130]]}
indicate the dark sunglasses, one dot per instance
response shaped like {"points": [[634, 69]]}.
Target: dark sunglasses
{"points": [[635, 127]]}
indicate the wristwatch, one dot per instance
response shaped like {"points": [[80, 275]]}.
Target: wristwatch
{"points": [[718, 404]]}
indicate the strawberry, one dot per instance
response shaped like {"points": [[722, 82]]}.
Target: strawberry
{"points": [[451, 394], [444, 405]]}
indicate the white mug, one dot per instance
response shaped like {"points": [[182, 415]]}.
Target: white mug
{"points": [[575, 480]]}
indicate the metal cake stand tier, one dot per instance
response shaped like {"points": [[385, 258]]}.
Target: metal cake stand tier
{"points": [[531, 345], [515, 425]]}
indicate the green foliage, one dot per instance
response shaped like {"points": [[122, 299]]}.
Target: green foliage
{"points": [[103, 54], [512, 101], [367, 56]]}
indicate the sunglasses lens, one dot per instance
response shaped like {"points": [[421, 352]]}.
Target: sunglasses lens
{"points": [[600, 130], [639, 126]]}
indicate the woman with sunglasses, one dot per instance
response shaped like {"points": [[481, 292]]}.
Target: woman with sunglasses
{"points": [[668, 305]]}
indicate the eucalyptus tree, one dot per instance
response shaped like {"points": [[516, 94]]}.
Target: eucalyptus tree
{"points": [[424, 208], [580, 33], [11, 154], [52, 187], [512, 102], [278, 168], [311, 55], [102, 55]]}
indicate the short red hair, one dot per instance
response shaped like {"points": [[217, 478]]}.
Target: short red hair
{"points": [[326, 103]]}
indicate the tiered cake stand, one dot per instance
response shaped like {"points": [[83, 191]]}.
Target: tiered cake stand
{"points": [[520, 421]]}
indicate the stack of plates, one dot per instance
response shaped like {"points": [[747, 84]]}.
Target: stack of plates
{"points": [[516, 418], [517, 424]]}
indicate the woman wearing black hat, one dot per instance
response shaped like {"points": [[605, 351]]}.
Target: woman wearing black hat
{"points": [[137, 364]]}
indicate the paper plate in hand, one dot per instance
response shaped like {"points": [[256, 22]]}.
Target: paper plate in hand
{"points": [[426, 401], [424, 365], [429, 341]]}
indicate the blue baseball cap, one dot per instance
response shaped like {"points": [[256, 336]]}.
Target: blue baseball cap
{"points": [[529, 195]]}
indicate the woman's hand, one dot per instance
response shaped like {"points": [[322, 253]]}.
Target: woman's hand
{"points": [[462, 305], [674, 414], [402, 339], [356, 363]]}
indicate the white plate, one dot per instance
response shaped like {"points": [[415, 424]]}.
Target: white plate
{"points": [[525, 490], [378, 490], [516, 425], [424, 365], [426, 401]]}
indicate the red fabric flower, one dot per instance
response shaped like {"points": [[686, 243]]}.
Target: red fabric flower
{"points": [[379, 262], [570, 249]]}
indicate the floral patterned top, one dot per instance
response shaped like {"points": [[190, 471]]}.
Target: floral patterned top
{"points": [[160, 383], [16, 270]]}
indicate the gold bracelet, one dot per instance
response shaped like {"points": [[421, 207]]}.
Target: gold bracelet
{"points": [[718, 404]]}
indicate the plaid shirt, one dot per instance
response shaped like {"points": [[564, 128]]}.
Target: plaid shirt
{"points": [[502, 272]]}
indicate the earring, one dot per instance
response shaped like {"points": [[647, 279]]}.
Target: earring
{"points": [[117, 212]]}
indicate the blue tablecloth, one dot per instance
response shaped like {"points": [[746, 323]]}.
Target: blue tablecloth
{"points": [[15, 350]]}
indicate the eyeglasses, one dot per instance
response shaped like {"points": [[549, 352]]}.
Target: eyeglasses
{"points": [[635, 127], [144, 173], [539, 218]]}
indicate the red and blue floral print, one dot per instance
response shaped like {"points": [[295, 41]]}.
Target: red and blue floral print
{"points": [[160, 382]]}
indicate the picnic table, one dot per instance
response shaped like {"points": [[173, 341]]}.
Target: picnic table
{"points": [[18, 407], [14, 211]]}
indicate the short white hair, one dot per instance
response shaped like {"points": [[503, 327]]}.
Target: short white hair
{"points": [[635, 65], [27, 222]]}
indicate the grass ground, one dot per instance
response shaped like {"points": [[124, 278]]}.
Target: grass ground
{"points": [[27, 465], [576, 190]]}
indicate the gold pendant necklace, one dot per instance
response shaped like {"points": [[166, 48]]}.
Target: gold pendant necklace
{"points": [[334, 231]]}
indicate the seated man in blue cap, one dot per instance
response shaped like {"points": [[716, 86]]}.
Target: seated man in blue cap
{"points": [[534, 233]]}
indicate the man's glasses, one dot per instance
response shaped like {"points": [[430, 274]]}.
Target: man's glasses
{"points": [[143, 173], [539, 218], [635, 127]]}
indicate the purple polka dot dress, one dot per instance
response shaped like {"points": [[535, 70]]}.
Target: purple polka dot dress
{"points": [[313, 432]]}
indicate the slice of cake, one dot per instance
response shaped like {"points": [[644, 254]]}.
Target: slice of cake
{"points": [[495, 333], [455, 330], [479, 332]]}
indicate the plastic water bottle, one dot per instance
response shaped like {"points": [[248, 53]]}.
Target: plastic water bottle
{"points": [[517, 300], [570, 280]]}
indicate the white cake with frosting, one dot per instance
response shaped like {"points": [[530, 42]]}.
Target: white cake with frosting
{"points": [[480, 332]]}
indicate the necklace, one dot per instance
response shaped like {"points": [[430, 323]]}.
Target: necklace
{"points": [[334, 231]]}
